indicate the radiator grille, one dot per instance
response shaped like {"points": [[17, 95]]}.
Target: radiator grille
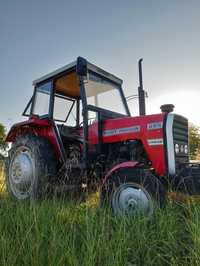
{"points": [[180, 136]]}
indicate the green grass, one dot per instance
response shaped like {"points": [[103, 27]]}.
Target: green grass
{"points": [[57, 232]]}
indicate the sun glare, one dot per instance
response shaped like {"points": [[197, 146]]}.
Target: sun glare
{"points": [[186, 104]]}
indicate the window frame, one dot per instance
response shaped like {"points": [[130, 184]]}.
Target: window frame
{"points": [[29, 104], [50, 111], [70, 110], [121, 95]]}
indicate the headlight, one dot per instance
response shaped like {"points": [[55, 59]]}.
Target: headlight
{"points": [[176, 148], [186, 149]]}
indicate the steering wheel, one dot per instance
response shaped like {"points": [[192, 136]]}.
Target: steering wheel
{"points": [[62, 127], [89, 119], [80, 124]]}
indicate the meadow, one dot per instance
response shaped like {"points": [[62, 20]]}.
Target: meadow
{"points": [[58, 232]]}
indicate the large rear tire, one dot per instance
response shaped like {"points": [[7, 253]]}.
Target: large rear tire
{"points": [[133, 191], [30, 166]]}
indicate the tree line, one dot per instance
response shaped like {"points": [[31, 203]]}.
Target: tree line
{"points": [[3, 144], [194, 142]]}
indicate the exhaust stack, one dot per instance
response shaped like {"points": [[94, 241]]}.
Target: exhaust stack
{"points": [[141, 92]]}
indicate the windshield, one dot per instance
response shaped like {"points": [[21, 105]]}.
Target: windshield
{"points": [[103, 93]]}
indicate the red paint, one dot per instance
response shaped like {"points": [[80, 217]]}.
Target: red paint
{"points": [[119, 166], [36, 126], [156, 153]]}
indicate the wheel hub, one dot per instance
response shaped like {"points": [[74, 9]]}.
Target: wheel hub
{"points": [[21, 173], [132, 204], [131, 199]]}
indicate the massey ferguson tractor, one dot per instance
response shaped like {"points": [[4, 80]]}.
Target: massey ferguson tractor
{"points": [[80, 132]]}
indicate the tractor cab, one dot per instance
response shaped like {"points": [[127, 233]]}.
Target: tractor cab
{"points": [[63, 94], [76, 96]]}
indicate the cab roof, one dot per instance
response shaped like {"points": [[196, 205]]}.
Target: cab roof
{"points": [[66, 78]]}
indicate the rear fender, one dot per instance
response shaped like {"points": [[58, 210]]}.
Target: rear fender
{"points": [[35, 126], [128, 164]]}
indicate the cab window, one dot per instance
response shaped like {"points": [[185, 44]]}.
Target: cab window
{"points": [[64, 110], [42, 99]]}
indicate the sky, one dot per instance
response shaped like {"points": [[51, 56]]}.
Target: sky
{"points": [[37, 37]]}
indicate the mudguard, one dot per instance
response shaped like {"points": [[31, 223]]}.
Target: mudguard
{"points": [[38, 127], [127, 164]]}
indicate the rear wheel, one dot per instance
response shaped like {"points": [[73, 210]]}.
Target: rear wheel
{"points": [[133, 191], [30, 167]]}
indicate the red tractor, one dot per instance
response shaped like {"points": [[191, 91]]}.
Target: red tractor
{"points": [[80, 132]]}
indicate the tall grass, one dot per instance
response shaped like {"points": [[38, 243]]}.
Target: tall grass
{"points": [[56, 232], [2, 179]]}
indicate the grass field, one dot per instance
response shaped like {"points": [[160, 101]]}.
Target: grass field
{"points": [[56, 232]]}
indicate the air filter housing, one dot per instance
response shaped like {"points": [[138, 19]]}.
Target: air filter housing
{"points": [[167, 108]]}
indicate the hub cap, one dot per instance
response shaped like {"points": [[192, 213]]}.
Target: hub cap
{"points": [[21, 173], [131, 199]]}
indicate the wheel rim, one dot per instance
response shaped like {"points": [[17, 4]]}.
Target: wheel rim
{"points": [[132, 199], [21, 173]]}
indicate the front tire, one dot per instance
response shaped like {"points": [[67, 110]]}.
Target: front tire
{"points": [[133, 191], [30, 167]]}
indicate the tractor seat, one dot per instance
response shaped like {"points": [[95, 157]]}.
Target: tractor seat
{"points": [[68, 132]]}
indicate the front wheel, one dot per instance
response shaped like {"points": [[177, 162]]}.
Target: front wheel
{"points": [[133, 191]]}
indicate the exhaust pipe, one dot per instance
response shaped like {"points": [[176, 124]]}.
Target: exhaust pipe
{"points": [[141, 92]]}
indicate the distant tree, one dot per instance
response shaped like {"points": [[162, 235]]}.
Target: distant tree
{"points": [[3, 144], [194, 141]]}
